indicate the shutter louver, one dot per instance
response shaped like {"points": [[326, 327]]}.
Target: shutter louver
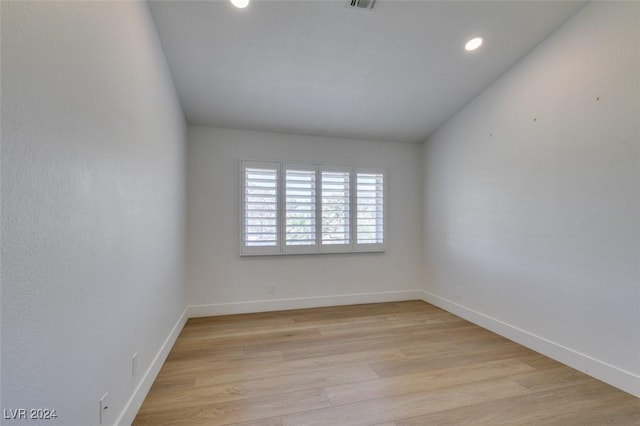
{"points": [[300, 207], [260, 207], [335, 206], [370, 208]]}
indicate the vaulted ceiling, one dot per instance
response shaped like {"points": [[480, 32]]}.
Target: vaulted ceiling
{"points": [[396, 72]]}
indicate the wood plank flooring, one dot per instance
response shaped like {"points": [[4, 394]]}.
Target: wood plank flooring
{"points": [[391, 364]]}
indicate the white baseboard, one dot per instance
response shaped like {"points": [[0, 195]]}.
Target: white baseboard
{"points": [[195, 311], [601, 370], [139, 394]]}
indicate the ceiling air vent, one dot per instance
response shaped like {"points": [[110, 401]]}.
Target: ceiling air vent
{"points": [[360, 4]]}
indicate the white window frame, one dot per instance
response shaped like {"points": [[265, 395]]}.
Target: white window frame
{"points": [[281, 248]]}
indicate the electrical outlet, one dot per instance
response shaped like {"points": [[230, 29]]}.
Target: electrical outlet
{"points": [[272, 288], [134, 364], [104, 406]]}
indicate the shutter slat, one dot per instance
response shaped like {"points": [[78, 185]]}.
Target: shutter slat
{"points": [[335, 206], [369, 208], [260, 207], [300, 207]]}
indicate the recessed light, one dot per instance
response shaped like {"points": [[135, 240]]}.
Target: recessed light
{"points": [[240, 4], [473, 44]]}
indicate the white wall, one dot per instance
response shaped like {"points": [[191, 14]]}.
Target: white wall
{"points": [[531, 199], [222, 281], [92, 206]]}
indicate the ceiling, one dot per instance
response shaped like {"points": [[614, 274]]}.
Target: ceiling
{"points": [[394, 73]]}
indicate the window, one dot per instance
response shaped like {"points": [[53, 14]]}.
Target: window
{"points": [[335, 209], [370, 208], [307, 208], [300, 208], [260, 212]]}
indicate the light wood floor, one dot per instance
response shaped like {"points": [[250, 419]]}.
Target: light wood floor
{"points": [[391, 364]]}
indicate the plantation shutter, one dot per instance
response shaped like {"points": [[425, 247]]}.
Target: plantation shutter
{"points": [[370, 214], [260, 199], [335, 208], [289, 208], [300, 208]]}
